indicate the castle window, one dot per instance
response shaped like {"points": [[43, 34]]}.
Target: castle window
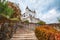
{"points": [[24, 14]]}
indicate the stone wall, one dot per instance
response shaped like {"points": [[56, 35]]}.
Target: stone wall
{"points": [[32, 26]]}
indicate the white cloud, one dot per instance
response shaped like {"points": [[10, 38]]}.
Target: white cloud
{"points": [[32, 1], [12, 0], [39, 5], [51, 16]]}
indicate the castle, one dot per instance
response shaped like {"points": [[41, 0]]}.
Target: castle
{"points": [[30, 16]]}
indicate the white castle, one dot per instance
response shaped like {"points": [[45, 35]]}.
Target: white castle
{"points": [[30, 16]]}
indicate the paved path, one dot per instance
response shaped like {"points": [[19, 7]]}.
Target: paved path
{"points": [[24, 34]]}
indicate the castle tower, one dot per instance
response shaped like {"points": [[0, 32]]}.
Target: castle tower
{"points": [[29, 12], [29, 15]]}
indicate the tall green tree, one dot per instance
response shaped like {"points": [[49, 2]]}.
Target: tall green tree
{"points": [[5, 10]]}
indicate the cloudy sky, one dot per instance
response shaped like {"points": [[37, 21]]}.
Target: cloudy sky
{"points": [[47, 10]]}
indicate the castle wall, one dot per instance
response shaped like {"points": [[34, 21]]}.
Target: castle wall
{"points": [[32, 26]]}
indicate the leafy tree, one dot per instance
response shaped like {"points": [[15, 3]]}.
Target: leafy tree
{"points": [[41, 22], [5, 10], [8, 11]]}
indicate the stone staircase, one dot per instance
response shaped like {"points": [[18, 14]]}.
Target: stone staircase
{"points": [[24, 35]]}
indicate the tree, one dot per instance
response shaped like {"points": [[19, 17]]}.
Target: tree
{"points": [[12, 12], [5, 10]]}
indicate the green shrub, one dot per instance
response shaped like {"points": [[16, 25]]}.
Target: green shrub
{"points": [[26, 21], [41, 22]]}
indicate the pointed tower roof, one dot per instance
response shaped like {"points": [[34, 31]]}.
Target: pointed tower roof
{"points": [[30, 10], [27, 7]]}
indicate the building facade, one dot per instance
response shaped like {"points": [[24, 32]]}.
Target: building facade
{"points": [[30, 16]]}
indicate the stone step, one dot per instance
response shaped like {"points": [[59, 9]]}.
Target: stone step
{"points": [[29, 36], [23, 35], [22, 39]]}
